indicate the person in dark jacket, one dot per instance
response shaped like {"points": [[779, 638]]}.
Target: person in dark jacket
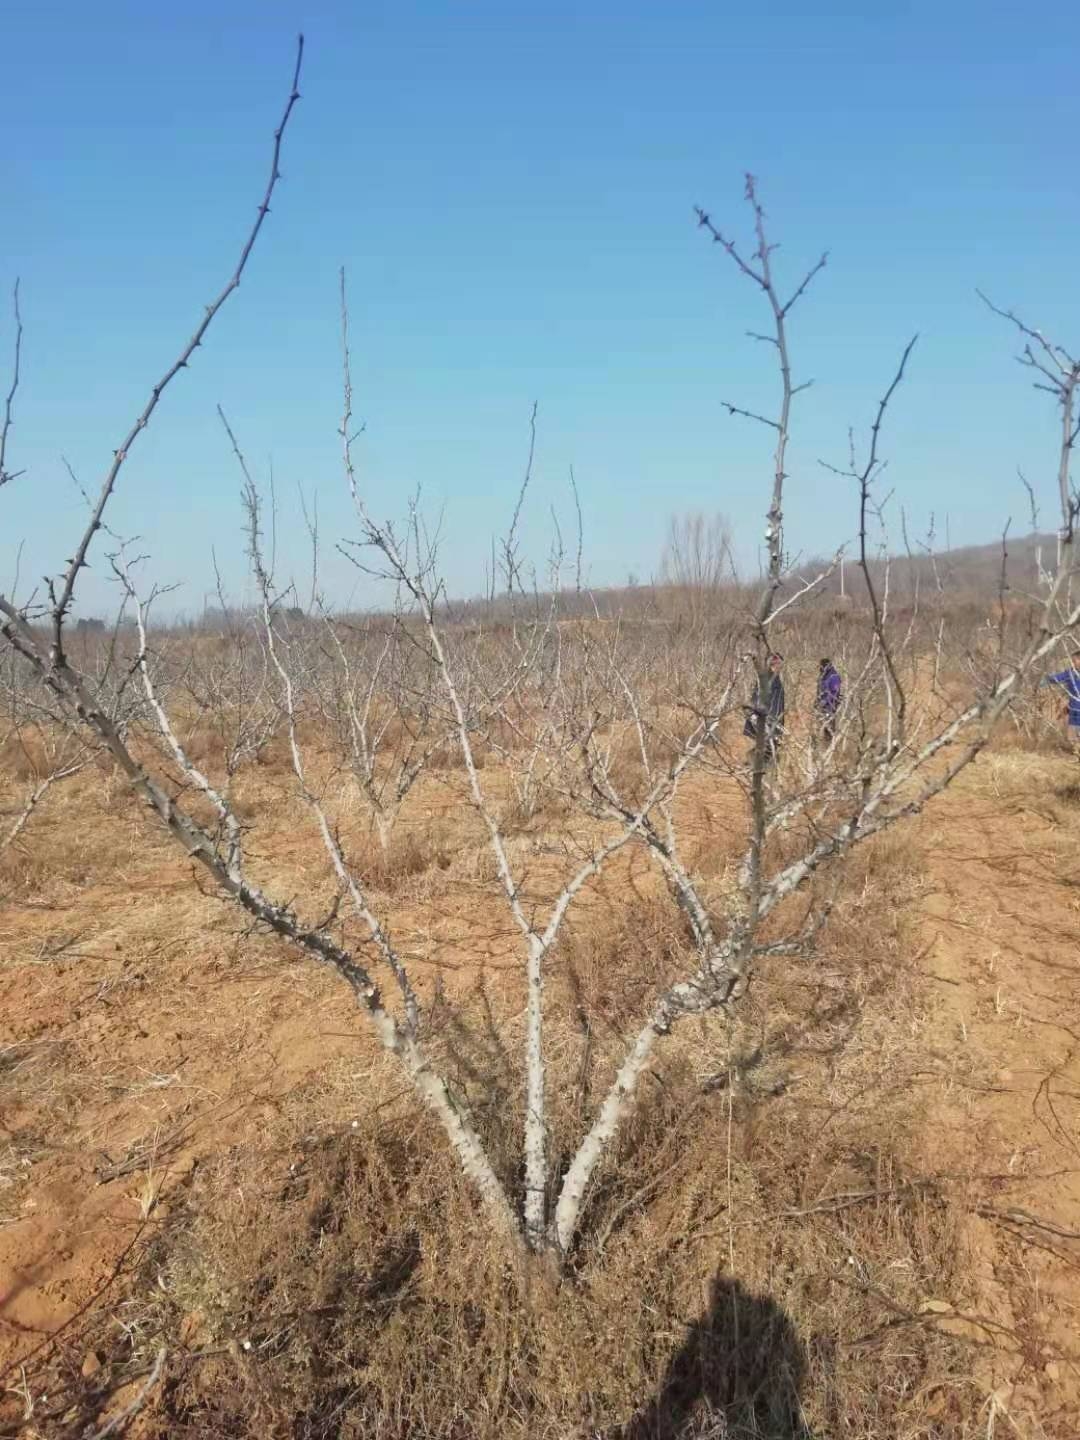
{"points": [[771, 713], [828, 698]]}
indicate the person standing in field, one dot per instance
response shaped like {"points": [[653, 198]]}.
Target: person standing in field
{"points": [[828, 698], [1069, 680], [770, 712]]}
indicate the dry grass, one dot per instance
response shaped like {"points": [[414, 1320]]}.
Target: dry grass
{"points": [[23, 757], [364, 1300], [789, 1242]]}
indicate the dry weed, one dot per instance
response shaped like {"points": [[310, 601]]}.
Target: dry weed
{"points": [[769, 1257], [765, 1260]]}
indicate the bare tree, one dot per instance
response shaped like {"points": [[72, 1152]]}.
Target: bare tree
{"points": [[883, 766], [226, 683], [697, 558], [49, 754], [382, 713], [41, 744]]}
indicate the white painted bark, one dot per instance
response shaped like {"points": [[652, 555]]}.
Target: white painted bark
{"points": [[22, 819], [227, 871], [716, 983], [536, 1152], [614, 1109]]}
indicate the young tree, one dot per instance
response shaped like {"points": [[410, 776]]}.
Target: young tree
{"points": [[696, 560]]}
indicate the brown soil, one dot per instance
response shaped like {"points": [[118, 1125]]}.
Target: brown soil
{"points": [[145, 1035]]}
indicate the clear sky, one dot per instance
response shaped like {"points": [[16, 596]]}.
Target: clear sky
{"points": [[510, 187]]}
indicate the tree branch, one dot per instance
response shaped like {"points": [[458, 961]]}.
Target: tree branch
{"points": [[62, 600]]}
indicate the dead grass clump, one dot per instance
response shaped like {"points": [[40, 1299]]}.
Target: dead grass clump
{"points": [[543, 807], [626, 768], [447, 755], [618, 956], [883, 875], [23, 757], [205, 746], [56, 849], [352, 1283], [412, 850], [353, 1291]]}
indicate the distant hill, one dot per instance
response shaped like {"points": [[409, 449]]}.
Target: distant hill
{"points": [[970, 571]]}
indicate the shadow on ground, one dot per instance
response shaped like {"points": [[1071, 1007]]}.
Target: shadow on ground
{"points": [[738, 1373]]}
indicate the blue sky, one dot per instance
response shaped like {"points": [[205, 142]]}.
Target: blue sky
{"points": [[510, 187]]}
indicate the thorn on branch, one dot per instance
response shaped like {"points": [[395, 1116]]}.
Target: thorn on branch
{"points": [[749, 415]]}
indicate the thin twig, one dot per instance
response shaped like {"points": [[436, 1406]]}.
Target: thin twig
{"points": [[121, 1421], [62, 601], [9, 403]]}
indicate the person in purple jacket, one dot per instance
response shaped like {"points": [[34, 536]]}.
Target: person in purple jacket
{"points": [[828, 698], [1069, 680]]}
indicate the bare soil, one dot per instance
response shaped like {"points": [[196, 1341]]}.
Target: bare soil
{"points": [[162, 1068]]}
